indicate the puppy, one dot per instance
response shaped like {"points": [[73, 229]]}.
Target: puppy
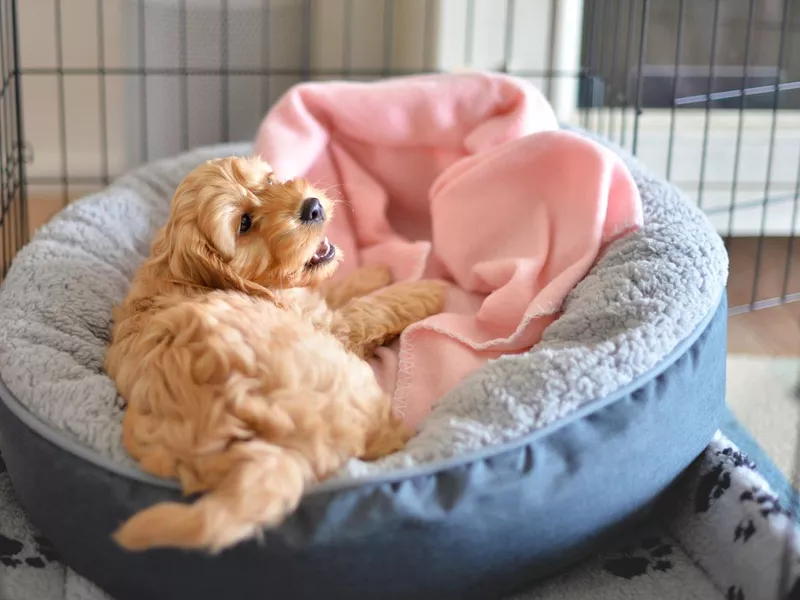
{"points": [[241, 365]]}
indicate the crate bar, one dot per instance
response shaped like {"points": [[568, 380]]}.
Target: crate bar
{"points": [[224, 93], [183, 82], [639, 79], [266, 100], [143, 72], [701, 184], [787, 271], [62, 123], [5, 158], [628, 56], [101, 90], [771, 152], [751, 18], [675, 80]]}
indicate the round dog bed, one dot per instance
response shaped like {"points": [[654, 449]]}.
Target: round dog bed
{"points": [[523, 468]]}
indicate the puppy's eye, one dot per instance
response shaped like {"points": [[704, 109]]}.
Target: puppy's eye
{"points": [[246, 223]]}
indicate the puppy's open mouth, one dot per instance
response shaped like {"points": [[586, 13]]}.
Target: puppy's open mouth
{"points": [[325, 253]]}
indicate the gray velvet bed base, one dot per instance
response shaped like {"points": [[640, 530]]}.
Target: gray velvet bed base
{"points": [[480, 528], [523, 468]]}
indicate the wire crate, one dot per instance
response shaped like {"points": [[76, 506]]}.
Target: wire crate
{"points": [[14, 218], [116, 83], [705, 93]]}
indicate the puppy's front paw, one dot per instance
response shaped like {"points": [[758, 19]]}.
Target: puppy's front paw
{"points": [[374, 278], [361, 282], [425, 297], [437, 292]]}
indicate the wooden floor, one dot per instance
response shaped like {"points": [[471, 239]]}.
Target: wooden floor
{"points": [[771, 331], [41, 209]]}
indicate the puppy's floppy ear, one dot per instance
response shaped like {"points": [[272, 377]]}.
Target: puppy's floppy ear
{"points": [[219, 213], [219, 222], [215, 272], [191, 259]]}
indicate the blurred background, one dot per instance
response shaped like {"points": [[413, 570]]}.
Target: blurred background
{"points": [[705, 92]]}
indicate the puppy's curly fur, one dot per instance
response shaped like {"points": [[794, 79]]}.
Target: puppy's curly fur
{"points": [[241, 365]]}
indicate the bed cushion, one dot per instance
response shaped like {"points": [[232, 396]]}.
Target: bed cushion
{"points": [[521, 469]]}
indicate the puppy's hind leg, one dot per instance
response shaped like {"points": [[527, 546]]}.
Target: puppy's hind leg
{"points": [[264, 483], [365, 323]]}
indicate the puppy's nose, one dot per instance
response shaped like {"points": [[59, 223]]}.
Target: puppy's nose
{"points": [[312, 211]]}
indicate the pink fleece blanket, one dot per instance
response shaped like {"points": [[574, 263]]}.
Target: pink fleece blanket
{"points": [[464, 177]]}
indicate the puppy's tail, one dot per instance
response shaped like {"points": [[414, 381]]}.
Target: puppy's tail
{"points": [[259, 491]]}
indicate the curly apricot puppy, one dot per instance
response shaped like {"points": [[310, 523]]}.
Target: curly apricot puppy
{"points": [[241, 368]]}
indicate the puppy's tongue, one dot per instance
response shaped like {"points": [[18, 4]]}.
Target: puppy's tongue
{"points": [[322, 251]]}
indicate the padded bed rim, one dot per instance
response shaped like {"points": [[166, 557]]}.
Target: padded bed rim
{"points": [[60, 440]]}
